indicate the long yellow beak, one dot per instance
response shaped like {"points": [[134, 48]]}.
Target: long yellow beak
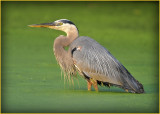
{"points": [[42, 25]]}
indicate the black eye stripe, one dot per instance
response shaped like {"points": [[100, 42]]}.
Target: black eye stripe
{"points": [[67, 21]]}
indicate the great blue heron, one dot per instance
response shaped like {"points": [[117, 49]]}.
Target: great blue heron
{"points": [[93, 62]]}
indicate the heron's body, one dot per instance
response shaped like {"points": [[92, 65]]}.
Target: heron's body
{"points": [[93, 62]]}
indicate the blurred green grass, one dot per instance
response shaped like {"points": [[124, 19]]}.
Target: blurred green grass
{"points": [[31, 78]]}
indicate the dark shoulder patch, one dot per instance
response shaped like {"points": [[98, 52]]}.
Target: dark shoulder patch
{"points": [[74, 49]]}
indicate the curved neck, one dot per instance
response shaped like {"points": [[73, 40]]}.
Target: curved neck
{"points": [[72, 34], [63, 41]]}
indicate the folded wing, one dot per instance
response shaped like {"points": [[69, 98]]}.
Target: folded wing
{"points": [[97, 62]]}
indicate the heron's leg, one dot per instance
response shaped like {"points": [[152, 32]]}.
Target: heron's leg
{"points": [[95, 86], [94, 82], [126, 90], [89, 85]]}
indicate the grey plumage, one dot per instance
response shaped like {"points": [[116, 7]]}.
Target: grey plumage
{"points": [[97, 62]]}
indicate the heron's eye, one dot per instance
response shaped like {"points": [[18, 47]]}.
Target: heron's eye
{"points": [[59, 24]]}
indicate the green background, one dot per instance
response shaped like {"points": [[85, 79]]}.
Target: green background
{"points": [[31, 78]]}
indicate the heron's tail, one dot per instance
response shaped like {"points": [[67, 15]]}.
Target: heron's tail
{"points": [[132, 85], [129, 84]]}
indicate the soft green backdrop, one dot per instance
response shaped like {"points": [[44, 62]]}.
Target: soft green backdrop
{"points": [[31, 78]]}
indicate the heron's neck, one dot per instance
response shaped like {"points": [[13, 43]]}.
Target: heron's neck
{"points": [[72, 34], [63, 41]]}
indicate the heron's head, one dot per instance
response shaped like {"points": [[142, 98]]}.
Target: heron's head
{"points": [[62, 24]]}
